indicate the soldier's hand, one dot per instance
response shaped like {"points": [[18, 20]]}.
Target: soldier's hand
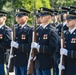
{"points": [[63, 51], [61, 67], [14, 44], [35, 45]]}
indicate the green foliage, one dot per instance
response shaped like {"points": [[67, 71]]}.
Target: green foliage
{"points": [[42, 3], [65, 2], [29, 5], [2, 2]]}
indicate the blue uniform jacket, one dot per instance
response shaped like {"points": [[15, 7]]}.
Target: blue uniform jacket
{"points": [[23, 38], [5, 40], [70, 45], [47, 39], [65, 28]]}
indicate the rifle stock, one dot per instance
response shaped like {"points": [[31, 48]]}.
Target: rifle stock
{"points": [[30, 66], [11, 65]]}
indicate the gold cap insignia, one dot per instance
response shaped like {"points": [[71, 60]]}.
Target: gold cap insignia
{"points": [[17, 10]]}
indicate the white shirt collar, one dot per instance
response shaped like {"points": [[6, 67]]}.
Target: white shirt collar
{"points": [[40, 24], [23, 25], [44, 25], [71, 31], [2, 25]]}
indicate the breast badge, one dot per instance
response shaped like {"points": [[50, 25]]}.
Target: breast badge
{"points": [[73, 40], [45, 36], [1, 36], [23, 37]]}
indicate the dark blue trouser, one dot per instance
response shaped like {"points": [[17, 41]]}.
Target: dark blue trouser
{"points": [[43, 72], [56, 71], [20, 70], [1, 69]]}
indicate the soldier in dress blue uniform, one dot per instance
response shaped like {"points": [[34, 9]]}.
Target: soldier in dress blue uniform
{"points": [[5, 39], [70, 45], [64, 23], [22, 42], [56, 55], [45, 45], [55, 17]]}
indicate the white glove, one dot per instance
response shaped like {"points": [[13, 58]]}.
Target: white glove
{"points": [[35, 45], [63, 51], [61, 67], [14, 44]]}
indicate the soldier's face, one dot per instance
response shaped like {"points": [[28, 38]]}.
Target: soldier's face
{"points": [[1, 20], [45, 19], [38, 21], [21, 20], [64, 16], [71, 23]]}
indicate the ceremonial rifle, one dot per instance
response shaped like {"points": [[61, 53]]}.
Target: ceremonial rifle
{"points": [[30, 66], [11, 56], [62, 57]]}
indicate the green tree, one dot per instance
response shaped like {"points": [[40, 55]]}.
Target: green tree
{"points": [[29, 4]]}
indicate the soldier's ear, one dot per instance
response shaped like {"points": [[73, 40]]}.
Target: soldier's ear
{"points": [[4, 18], [49, 17], [26, 17], [75, 20]]}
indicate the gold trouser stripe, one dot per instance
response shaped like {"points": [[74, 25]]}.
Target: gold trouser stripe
{"points": [[51, 71]]}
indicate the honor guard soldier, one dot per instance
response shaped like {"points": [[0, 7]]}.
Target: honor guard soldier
{"points": [[5, 39], [69, 49], [22, 41], [65, 28], [46, 39], [54, 17], [63, 12]]}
